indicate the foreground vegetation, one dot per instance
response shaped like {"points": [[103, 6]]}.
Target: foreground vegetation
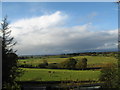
{"points": [[58, 75]]}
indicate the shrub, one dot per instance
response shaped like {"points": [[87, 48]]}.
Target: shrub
{"points": [[109, 75], [45, 62], [42, 65], [52, 66], [69, 63], [82, 64]]}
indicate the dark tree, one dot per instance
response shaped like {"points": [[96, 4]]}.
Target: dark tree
{"points": [[69, 63], [79, 65], [82, 64], [10, 68]]}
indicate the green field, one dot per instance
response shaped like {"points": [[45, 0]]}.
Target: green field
{"points": [[58, 75], [95, 61], [34, 74]]}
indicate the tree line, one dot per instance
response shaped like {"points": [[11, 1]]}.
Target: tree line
{"points": [[70, 63]]}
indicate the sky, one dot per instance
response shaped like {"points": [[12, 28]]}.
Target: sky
{"points": [[59, 0], [62, 27]]}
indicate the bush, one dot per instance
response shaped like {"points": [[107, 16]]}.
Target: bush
{"points": [[109, 75], [42, 65], [69, 63], [45, 62], [82, 64], [52, 66], [14, 87]]}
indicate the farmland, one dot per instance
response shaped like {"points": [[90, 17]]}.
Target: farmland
{"points": [[58, 75], [38, 74], [93, 61]]}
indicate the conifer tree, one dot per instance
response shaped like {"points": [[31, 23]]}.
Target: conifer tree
{"points": [[10, 68]]}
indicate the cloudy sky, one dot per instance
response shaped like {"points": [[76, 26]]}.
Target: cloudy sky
{"points": [[62, 27]]}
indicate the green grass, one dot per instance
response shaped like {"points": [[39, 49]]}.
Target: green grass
{"points": [[95, 61], [37, 61], [58, 75], [98, 61]]}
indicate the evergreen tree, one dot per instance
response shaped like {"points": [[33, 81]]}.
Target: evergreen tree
{"points": [[10, 68]]}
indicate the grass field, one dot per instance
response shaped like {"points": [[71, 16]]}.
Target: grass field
{"points": [[35, 74], [92, 60], [58, 75]]}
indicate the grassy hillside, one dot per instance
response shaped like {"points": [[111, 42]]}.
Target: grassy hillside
{"points": [[58, 75], [95, 61]]}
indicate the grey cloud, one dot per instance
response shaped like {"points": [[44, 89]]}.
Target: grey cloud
{"points": [[52, 38]]}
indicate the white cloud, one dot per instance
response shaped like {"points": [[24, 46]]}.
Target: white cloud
{"points": [[46, 35]]}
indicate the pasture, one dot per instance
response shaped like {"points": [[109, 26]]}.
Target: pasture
{"points": [[38, 74], [58, 75], [93, 61]]}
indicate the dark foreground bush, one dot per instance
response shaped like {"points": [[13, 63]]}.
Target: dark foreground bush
{"points": [[109, 75]]}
